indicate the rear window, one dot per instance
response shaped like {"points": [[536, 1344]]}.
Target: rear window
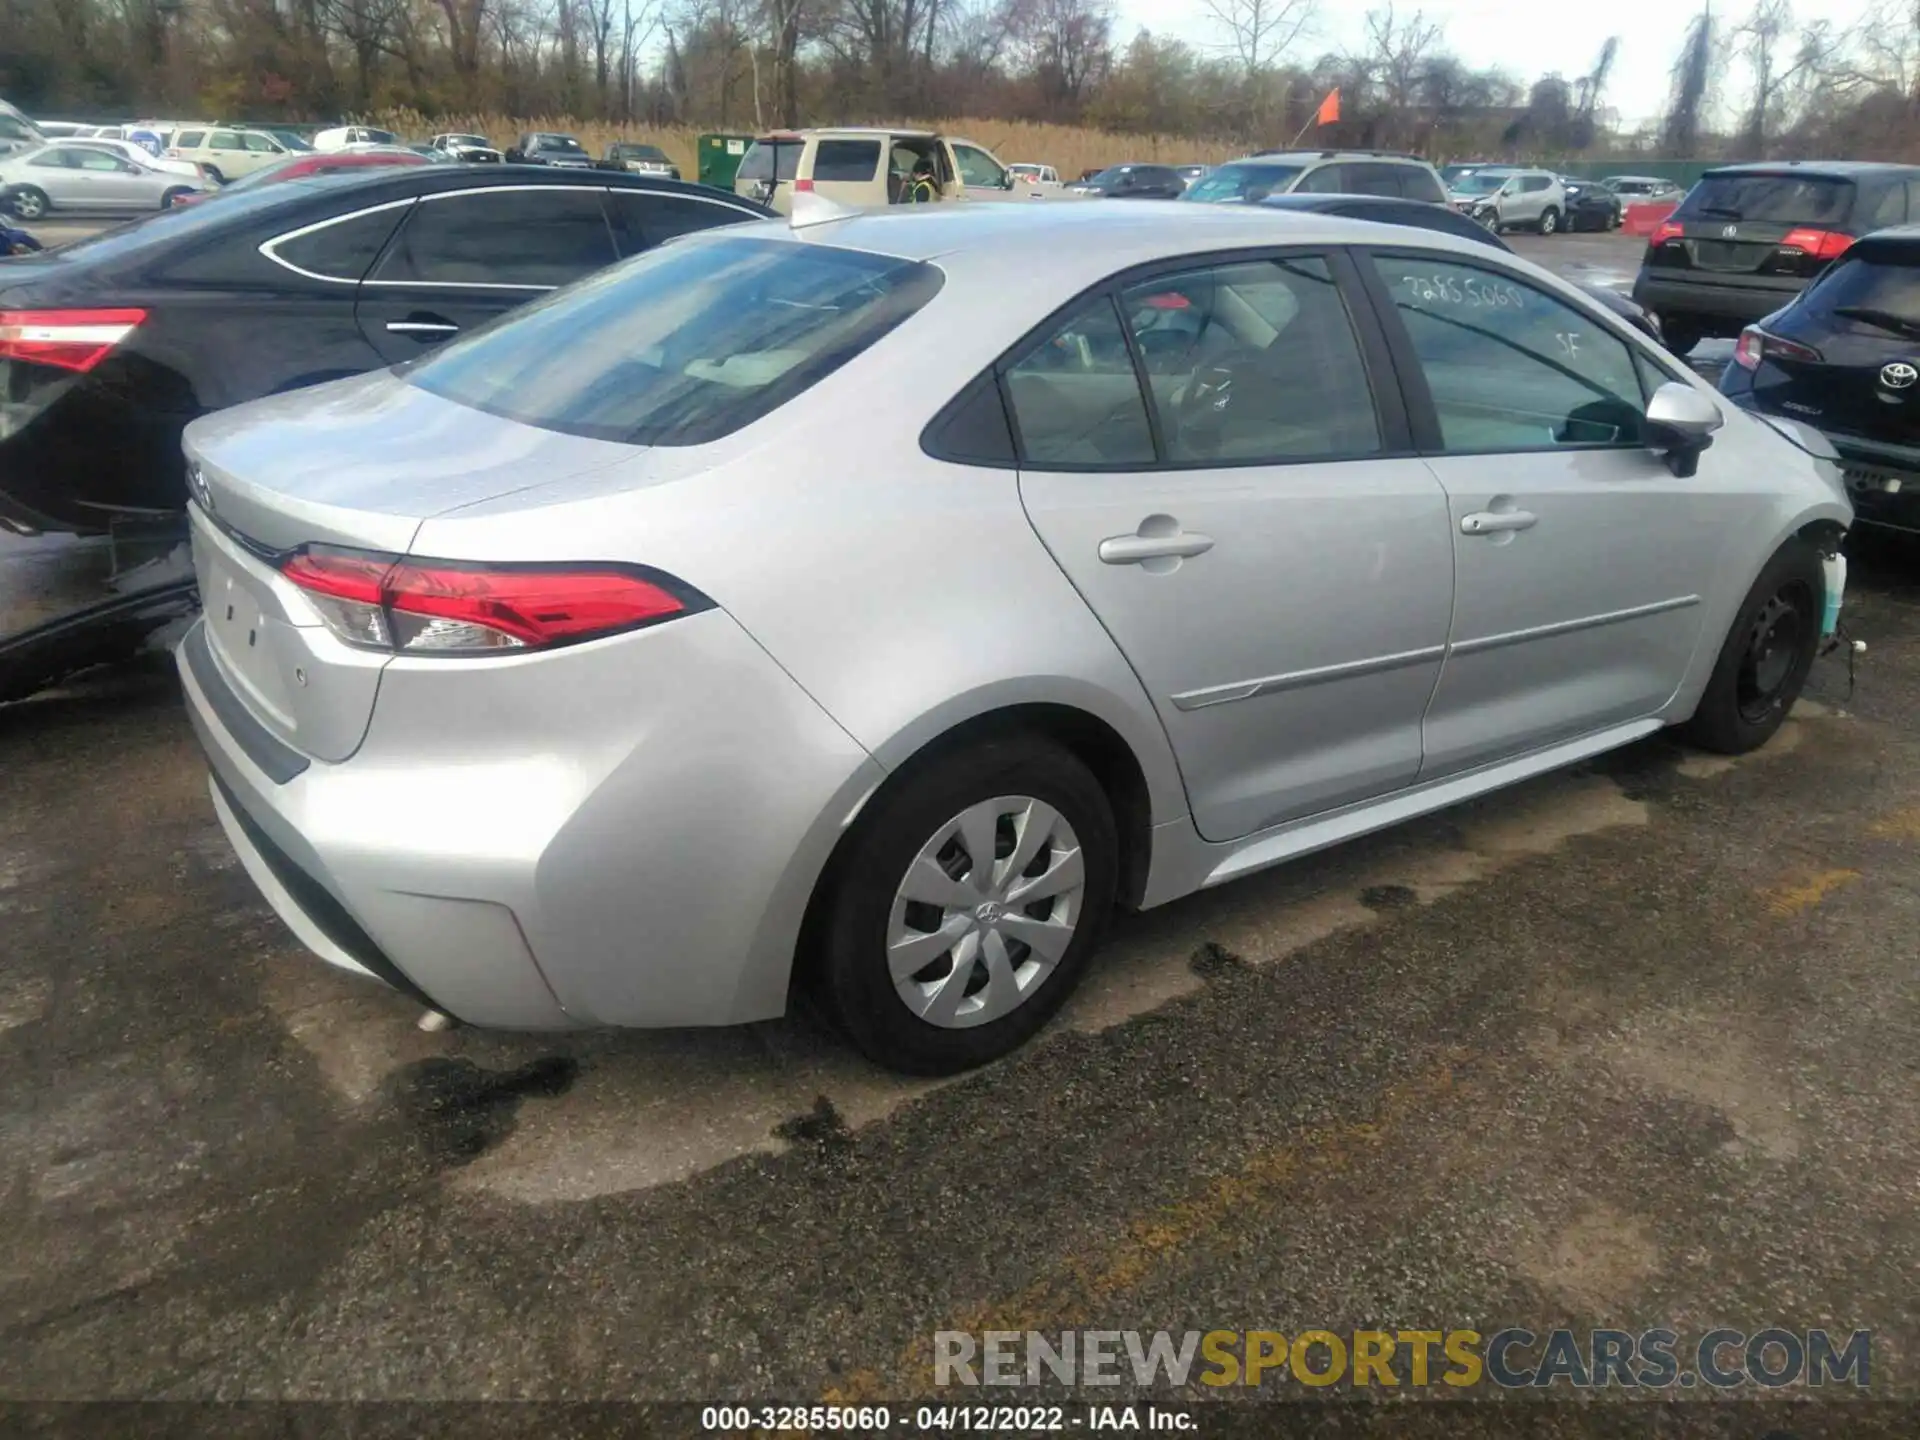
{"points": [[846, 160], [684, 344], [1242, 182], [758, 163], [1771, 199], [1877, 282]]}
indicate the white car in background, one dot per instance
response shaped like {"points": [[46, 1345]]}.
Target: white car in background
{"points": [[1043, 176], [343, 136], [140, 155]]}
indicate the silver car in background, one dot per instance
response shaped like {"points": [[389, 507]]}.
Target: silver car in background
{"points": [[873, 604], [90, 179]]}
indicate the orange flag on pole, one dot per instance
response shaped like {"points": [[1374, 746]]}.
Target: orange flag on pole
{"points": [[1329, 110]]}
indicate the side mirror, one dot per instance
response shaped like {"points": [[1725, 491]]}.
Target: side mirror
{"points": [[1680, 423]]}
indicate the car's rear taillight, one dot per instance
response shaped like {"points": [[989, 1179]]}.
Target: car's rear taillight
{"points": [[74, 340], [1666, 230], [1821, 244], [448, 607], [1756, 345]]}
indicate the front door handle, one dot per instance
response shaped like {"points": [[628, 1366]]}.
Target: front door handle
{"points": [[421, 327], [1495, 522], [1132, 549]]}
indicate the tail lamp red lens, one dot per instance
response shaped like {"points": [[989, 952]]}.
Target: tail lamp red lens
{"points": [[410, 606], [1821, 244], [1666, 230], [74, 340], [1756, 345]]}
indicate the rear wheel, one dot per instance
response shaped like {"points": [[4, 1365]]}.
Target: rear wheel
{"points": [[964, 910], [174, 196], [1766, 656], [28, 203], [212, 172], [1549, 221]]}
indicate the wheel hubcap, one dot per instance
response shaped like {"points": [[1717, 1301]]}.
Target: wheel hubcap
{"points": [[985, 912]]}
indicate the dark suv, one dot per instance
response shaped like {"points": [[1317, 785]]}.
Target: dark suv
{"points": [[1845, 357], [1748, 238]]}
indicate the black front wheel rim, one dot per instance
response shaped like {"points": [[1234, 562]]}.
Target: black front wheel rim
{"points": [[1773, 661]]}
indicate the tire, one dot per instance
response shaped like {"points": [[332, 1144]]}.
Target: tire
{"points": [[213, 173], [918, 826], [172, 197], [28, 202], [1680, 334], [1549, 221], [1765, 658]]}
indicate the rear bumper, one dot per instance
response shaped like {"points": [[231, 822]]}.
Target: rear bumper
{"points": [[1721, 302], [641, 854], [1883, 481]]}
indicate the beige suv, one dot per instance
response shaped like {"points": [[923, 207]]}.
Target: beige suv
{"points": [[225, 154], [865, 166]]}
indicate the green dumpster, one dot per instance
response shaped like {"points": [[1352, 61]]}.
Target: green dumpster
{"points": [[720, 157]]}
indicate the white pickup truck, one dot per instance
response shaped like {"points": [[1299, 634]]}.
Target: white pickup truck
{"points": [[873, 166]]}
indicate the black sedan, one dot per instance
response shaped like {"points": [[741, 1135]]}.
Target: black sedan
{"points": [[1844, 356], [110, 346], [1590, 205], [1449, 221]]}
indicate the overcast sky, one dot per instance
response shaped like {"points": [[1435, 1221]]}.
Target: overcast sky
{"points": [[1526, 37]]}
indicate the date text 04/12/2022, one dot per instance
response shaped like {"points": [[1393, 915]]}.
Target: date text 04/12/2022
{"points": [[945, 1419]]}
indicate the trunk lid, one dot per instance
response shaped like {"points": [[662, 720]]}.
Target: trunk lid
{"points": [[1739, 223], [359, 463]]}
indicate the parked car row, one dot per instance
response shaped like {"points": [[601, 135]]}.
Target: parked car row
{"points": [[620, 495]]}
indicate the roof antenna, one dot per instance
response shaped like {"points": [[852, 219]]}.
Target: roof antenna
{"points": [[812, 208]]}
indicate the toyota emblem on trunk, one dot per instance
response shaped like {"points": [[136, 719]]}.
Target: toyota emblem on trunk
{"points": [[1899, 375]]}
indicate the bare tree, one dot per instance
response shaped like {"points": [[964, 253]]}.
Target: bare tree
{"points": [[1257, 34], [1399, 51], [1693, 74]]}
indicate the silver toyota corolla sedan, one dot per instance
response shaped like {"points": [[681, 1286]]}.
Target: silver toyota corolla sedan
{"points": [[873, 605]]}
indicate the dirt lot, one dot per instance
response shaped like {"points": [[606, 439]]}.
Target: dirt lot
{"points": [[1634, 1045]]}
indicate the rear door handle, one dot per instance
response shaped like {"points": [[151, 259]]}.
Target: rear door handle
{"points": [[1132, 549], [1494, 522], [421, 327]]}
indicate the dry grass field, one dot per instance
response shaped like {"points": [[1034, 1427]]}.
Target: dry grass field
{"points": [[1068, 148]]}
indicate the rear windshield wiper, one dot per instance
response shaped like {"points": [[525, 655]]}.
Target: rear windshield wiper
{"points": [[1723, 211], [1879, 319]]}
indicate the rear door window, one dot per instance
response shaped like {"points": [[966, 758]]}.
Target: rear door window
{"points": [[1076, 396], [189, 139], [1786, 199], [854, 160], [542, 236], [342, 250], [1327, 180], [261, 145], [226, 140], [648, 219], [684, 344], [1252, 363]]}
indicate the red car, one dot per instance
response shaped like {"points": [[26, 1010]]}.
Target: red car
{"points": [[316, 163]]}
